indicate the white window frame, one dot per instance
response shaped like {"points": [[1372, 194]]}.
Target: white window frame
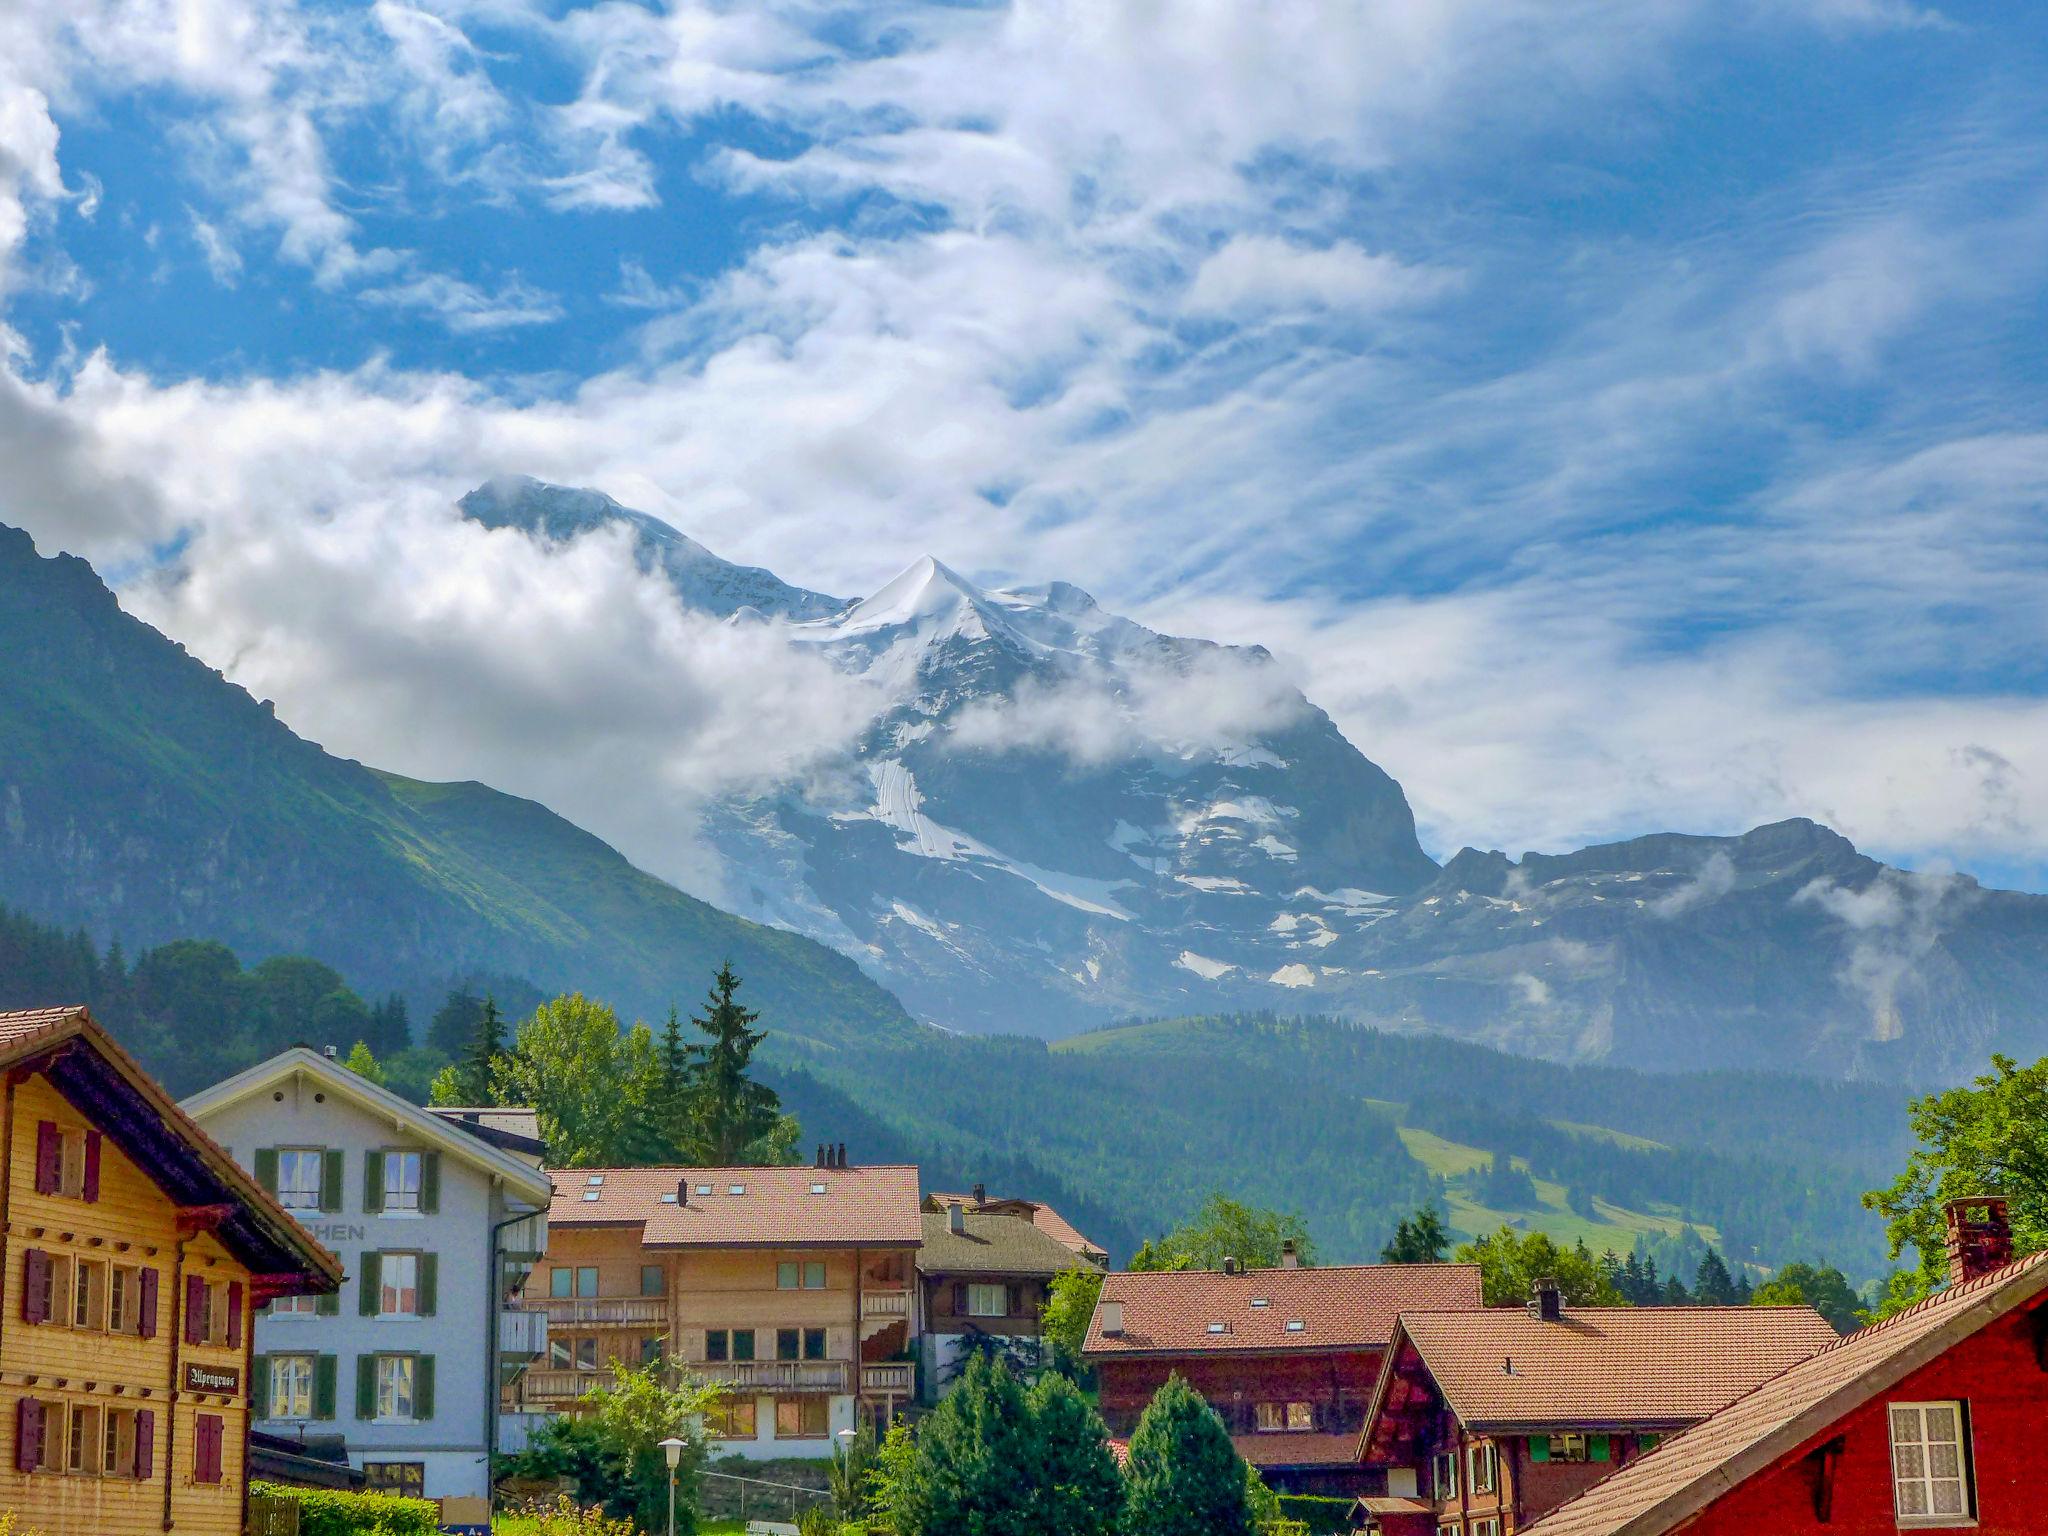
{"points": [[1486, 1525], [291, 1384], [83, 1442], [1483, 1465], [1925, 1482], [387, 1265], [294, 1197], [88, 1295], [397, 1389], [295, 1306], [1443, 1475], [979, 1292], [400, 1197]]}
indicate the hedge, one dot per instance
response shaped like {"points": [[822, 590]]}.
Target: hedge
{"points": [[1320, 1514], [327, 1512]]}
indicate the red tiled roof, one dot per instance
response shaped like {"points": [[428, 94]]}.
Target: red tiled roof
{"points": [[17, 1029], [1503, 1368], [780, 1207], [1297, 1448], [1338, 1307], [1687, 1472], [1043, 1216]]}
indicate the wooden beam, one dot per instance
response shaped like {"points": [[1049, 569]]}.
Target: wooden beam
{"points": [[1822, 1461], [194, 1219]]}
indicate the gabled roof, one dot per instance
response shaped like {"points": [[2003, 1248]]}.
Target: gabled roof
{"points": [[1295, 1448], [521, 1178], [1041, 1215], [992, 1244], [1339, 1307], [1689, 1471], [802, 1207], [131, 1109], [1504, 1370], [515, 1130]]}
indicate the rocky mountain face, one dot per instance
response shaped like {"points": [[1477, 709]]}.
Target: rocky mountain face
{"points": [[1058, 817], [145, 798]]}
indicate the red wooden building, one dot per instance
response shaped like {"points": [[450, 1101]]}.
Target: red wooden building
{"points": [[1286, 1356], [1931, 1420], [1482, 1421]]}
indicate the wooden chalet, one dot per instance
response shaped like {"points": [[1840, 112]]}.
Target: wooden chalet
{"points": [[1929, 1421], [133, 1253], [1482, 1421], [1286, 1356]]}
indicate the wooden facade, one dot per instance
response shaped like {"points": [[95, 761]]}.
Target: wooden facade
{"points": [[132, 1258]]}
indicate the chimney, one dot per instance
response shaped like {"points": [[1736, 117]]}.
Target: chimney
{"points": [[682, 1191], [842, 1156], [1546, 1301], [980, 1196], [821, 1156], [1112, 1315], [1229, 1266], [1979, 1237], [956, 1219], [333, 1054], [1289, 1258]]}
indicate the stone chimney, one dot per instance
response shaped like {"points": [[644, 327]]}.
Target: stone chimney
{"points": [[1229, 1265], [1979, 1237], [682, 1191], [1546, 1301], [820, 1163], [1289, 1258], [1112, 1316], [841, 1162], [980, 1196], [956, 1219]]}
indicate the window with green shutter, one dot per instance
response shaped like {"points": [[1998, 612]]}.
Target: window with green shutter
{"points": [[372, 1278], [328, 1305], [430, 1271], [423, 1387], [266, 1168], [323, 1386], [1596, 1448], [430, 1183], [259, 1387], [366, 1386], [1539, 1447], [330, 1181], [373, 1183]]}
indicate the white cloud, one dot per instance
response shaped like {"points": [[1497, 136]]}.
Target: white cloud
{"points": [[1257, 274], [465, 308], [1893, 924], [1715, 879], [222, 259]]}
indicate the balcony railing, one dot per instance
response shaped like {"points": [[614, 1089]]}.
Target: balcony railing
{"points": [[606, 1311], [880, 1305], [522, 1332], [775, 1375], [895, 1378], [558, 1387]]}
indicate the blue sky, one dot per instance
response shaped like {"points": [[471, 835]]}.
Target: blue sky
{"points": [[1622, 416]]}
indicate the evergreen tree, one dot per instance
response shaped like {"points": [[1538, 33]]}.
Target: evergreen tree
{"points": [[1713, 1286], [973, 1472], [485, 1051], [675, 1107], [1419, 1239], [730, 1111], [1631, 1284], [390, 1028], [1079, 1487], [453, 1025], [1182, 1476]]}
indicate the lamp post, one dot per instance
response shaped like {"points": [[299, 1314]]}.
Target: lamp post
{"points": [[672, 1448]]}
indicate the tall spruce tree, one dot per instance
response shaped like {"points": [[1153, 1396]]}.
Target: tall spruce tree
{"points": [[485, 1051], [675, 1106], [1079, 1487], [1419, 1239], [974, 1470], [1182, 1476], [730, 1112]]}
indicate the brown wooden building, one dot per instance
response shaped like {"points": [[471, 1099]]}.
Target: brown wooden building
{"points": [[984, 1274], [1037, 1212], [1287, 1356], [793, 1286], [1482, 1421], [132, 1257]]}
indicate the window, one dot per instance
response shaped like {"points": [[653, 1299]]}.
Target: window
{"points": [[651, 1351], [652, 1281], [732, 1419], [86, 1448], [1443, 1474], [814, 1343], [743, 1343], [1930, 1464], [40, 1435], [814, 1275], [291, 1386], [295, 1306], [1569, 1447], [1490, 1526], [715, 1346], [722, 1344], [800, 1418], [564, 1282], [1483, 1462], [407, 1479], [124, 1299], [300, 1171], [401, 1182], [213, 1312], [988, 1301], [395, 1379], [89, 1294], [569, 1353], [791, 1275], [398, 1285], [120, 1444], [586, 1354], [1271, 1417], [788, 1341]]}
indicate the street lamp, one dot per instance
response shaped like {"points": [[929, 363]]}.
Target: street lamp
{"points": [[672, 1448]]}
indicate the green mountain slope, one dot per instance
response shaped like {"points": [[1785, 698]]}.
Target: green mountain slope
{"points": [[145, 798]]}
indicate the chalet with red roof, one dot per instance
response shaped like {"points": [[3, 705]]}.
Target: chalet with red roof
{"points": [[1482, 1421], [1288, 1357], [1929, 1421]]}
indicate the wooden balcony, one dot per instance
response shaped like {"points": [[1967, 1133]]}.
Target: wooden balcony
{"points": [[522, 1332], [607, 1311], [895, 1378], [558, 1388], [776, 1375], [884, 1306]]}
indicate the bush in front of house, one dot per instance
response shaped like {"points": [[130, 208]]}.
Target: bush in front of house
{"points": [[330, 1512], [1321, 1514]]}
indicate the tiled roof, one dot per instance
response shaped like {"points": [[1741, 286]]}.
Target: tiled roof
{"points": [[992, 1245], [778, 1208], [1647, 1366], [19, 1029], [1686, 1473], [1338, 1307], [1043, 1216], [1297, 1448]]}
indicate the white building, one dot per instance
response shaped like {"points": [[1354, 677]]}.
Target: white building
{"points": [[438, 1219]]}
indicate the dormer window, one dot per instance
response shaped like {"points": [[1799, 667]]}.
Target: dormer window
{"points": [[703, 1189], [1219, 1328], [1295, 1325], [735, 1189], [1261, 1301], [817, 1189]]}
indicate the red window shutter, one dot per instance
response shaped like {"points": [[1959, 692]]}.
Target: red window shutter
{"points": [[195, 1310], [28, 1435], [145, 1305], [234, 1314], [35, 1286], [49, 1157], [92, 1165], [206, 1449], [145, 1443]]}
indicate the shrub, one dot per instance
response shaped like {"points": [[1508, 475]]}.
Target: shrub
{"points": [[1320, 1514], [329, 1512], [561, 1518]]}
